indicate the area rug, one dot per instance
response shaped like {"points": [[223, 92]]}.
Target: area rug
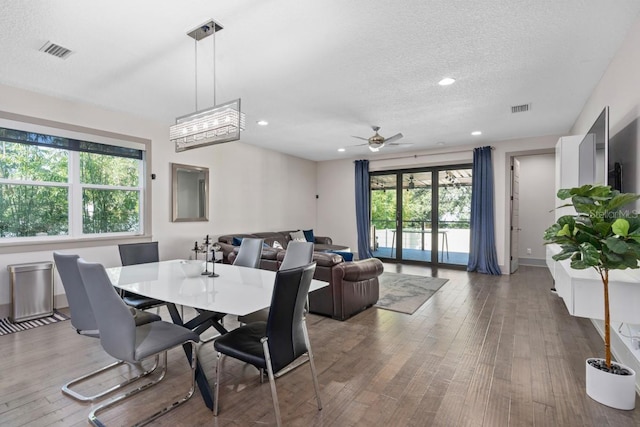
{"points": [[405, 293], [8, 327]]}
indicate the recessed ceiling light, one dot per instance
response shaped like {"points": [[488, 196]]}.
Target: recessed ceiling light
{"points": [[262, 122], [446, 81], [441, 143], [342, 150], [476, 133]]}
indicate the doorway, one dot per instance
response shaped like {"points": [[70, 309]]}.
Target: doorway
{"points": [[422, 215]]}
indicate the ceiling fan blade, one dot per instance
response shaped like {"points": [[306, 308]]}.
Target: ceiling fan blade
{"points": [[360, 145], [401, 143], [394, 137], [359, 137]]}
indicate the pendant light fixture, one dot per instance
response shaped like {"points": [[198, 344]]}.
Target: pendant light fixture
{"points": [[213, 125]]}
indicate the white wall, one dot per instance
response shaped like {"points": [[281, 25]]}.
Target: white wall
{"points": [[336, 212], [252, 189], [618, 88], [537, 201]]}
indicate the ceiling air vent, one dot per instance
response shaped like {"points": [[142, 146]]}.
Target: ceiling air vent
{"points": [[56, 50], [520, 108]]}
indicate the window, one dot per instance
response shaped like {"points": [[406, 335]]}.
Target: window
{"points": [[68, 188]]}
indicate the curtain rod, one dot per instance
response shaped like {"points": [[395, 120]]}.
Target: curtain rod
{"points": [[415, 156]]}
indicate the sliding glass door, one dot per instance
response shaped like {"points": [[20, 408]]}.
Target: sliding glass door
{"points": [[422, 215]]}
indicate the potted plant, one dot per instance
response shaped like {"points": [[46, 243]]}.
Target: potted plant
{"points": [[603, 236]]}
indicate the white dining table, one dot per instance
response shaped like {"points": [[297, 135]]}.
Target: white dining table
{"points": [[236, 291]]}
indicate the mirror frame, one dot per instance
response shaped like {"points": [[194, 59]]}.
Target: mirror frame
{"points": [[175, 167]]}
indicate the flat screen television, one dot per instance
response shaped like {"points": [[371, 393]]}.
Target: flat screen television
{"points": [[595, 146]]}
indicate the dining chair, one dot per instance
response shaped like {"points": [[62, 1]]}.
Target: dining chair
{"points": [[249, 253], [124, 340], [139, 253], [84, 322], [274, 344], [296, 255]]}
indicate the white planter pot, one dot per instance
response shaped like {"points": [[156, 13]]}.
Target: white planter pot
{"points": [[616, 391]]}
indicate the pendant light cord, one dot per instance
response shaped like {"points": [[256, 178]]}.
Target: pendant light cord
{"points": [[195, 45], [214, 64]]}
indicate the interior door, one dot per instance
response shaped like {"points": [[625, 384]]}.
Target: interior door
{"points": [[515, 213]]}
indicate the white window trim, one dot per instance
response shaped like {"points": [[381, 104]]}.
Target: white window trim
{"points": [[34, 124]]}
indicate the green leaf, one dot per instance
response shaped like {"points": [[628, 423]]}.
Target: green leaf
{"points": [[589, 254], [617, 245], [620, 227], [602, 228], [579, 265], [565, 231], [566, 253], [564, 193], [622, 200], [613, 257], [551, 232]]}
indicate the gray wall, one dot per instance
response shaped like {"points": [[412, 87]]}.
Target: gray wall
{"points": [[537, 183]]}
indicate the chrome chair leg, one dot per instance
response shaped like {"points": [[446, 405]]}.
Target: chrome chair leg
{"points": [[66, 389], [93, 416], [314, 374], [216, 385], [272, 381]]}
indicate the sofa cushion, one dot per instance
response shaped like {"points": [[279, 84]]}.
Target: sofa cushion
{"points": [[270, 237], [320, 247], [308, 234], [347, 256], [298, 236], [270, 253]]}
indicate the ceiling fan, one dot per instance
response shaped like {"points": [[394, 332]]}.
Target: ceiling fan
{"points": [[377, 141]]}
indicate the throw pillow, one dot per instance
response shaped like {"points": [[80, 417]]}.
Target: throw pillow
{"points": [[297, 236], [266, 246], [277, 245], [347, 256], [237, 241], [308, 234]]}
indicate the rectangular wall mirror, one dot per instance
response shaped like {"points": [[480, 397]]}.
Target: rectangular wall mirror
{"points": [[190, 193]]}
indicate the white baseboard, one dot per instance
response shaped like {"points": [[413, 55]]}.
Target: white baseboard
{"points": [[533, 262]]}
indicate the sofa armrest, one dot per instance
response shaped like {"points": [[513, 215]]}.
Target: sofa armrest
{"points": [[323, 240], [357, 271], [226, 251]]}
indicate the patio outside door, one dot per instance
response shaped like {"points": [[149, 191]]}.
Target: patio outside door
{"points": [[415, 234], [422, 215]]}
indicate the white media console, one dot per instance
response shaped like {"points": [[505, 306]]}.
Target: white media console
{"points": [[582, 290]]}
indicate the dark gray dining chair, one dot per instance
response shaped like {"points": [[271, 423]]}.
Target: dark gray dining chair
{"points": [[139, 253], [249, 253], [84, 322], [274, 344], [122, 339], [297, 255]]}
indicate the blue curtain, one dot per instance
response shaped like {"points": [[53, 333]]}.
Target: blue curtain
{"points": [[363, 208], [482, 253]]}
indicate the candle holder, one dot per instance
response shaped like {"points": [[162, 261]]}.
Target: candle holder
{"points": [[196, 248], [206, 244], [215, 247]]}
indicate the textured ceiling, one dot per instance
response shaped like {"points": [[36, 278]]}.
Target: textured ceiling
{"points": [[320, 71]]}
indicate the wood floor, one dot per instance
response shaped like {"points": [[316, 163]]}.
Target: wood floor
{"points": [[483, 351]]}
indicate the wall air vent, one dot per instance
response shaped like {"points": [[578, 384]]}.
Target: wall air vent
{"points": [[520, 108], [56, 50]]}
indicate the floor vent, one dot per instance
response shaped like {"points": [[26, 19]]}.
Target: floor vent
{"points": [[520, 108], [56, 50]]}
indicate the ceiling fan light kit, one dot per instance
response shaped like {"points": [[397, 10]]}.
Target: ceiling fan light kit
{"points": [[377, 141], [213, 125]]}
